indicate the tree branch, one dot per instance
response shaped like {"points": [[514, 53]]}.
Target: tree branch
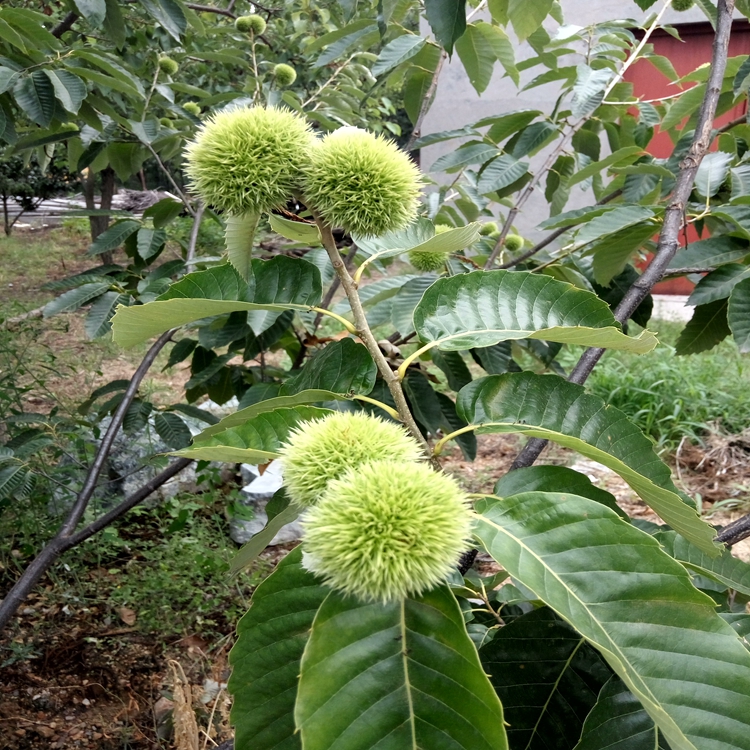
{"points": [[673, 215], [49, 554], [735, 532], [426, 102], [64, 25]]}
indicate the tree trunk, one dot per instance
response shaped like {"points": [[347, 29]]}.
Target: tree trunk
{"points": [[99, 224]]}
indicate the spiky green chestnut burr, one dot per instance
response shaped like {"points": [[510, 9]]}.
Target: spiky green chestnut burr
{"points": [[426, 261], [682, 5], [323, 450], [192, 107], [387, 529], [514, 242], [249, 160], [488, 228], [165, 122], [253, 23], [284, 74], [168, 65], [442, 228], [363, 183]]}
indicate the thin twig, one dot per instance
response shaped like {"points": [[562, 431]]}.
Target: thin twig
{"points": [[52, 549], [183, 198], [673, 216], [426, 102], [64, 25]]}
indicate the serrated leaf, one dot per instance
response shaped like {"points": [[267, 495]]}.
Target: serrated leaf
{"points": [[714, 251], [239, 233], [613, 252], [425, 662], [500, 173], [625, 155], [684, 106], [534, 138], [561, 547], [548, 407], [482, 308], [204, 294], [75, 298], [588, 90], [70, 90], [114, 236], [406, 299], [712, 172], [337, 48], [447, 18], [718, 284], [618, 715], [478, 57], [613, 221], [266, 660], [172, 430], [401, 49], [343, 366], [453, 366], [99, 319], [94, 11], [502, 48], [547, 677], [471, 153], [707, 327], [150, 241], [164, 211], [35, 95], [169, 14], [297, 231], [467, 441], [310, 396], [256, 441], [738, 314], [555, 479], [527, 17], [279, 281], [12, 479], [727, 569], [8, 77]]}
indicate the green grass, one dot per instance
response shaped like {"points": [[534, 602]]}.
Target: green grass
{"points": [[670, 397]]}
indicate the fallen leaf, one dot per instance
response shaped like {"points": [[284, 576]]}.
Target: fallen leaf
{"points": [[128, 616]]}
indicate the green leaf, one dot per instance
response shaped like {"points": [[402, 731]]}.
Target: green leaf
{"points": [[172, 430], [169, 14], [205, 294], [547, 678], [714, 251], [477, 55], [35, 95], [94, 11], [163, 211], [310, 396], [401, 49], [500, 173], [726, 569], [8, 77], [239, 233], [99, 319], [453, 366], [114, 24], [527, 17], [619, 716], [656, 631], [707, 327], [257, 441], [467, 441], [266, 657], [406, 299], [246, 556], [75, 298], [555, 479], [114, 236], [718, 284], [484, 307], [339, 47], [613, 252], [588, 91], [298, 231], [626, 155], [281, 281], [495, 359], [470, 153], [12, 478], [150, 241], [712, 172], [111, 65], [738, 314], [447, 18], [533, 138], [501, 47], [546, 406], [343, 366], [398, 675], [126, 158], [70, 90], [684, 106]]}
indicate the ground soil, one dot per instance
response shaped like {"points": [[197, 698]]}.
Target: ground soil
{"points": [[109, 686]]}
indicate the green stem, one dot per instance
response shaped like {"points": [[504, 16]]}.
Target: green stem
{"points": [[438, 449], [380, 405], [344, 322], [366, 335], [405, 364]]}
